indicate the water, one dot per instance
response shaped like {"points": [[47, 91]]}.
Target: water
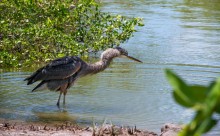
{"points": [[181, 35]]}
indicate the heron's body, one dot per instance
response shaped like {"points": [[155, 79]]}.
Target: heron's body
{"points": [[60, 74]]}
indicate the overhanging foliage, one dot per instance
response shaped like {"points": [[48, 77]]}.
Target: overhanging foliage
{"points": [[39, 31]]}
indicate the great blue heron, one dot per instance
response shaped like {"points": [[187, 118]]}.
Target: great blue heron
{"points": [[60, 74]]}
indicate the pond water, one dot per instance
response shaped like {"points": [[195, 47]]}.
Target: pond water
{"points": [[181, 35]]}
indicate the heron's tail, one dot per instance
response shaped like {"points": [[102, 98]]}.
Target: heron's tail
{"points": [[32, 78], [41, 86]]}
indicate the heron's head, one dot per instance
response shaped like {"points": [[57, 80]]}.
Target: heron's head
{"points": [[117, 52], [124, 54]]}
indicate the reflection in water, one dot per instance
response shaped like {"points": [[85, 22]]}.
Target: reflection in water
{"points": [[182, 35], [52, 115]]}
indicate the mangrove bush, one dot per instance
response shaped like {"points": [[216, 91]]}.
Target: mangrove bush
{"points": [[34, 31]]}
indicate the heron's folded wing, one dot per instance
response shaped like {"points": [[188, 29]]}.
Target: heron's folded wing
{"points": [[57, 69]]}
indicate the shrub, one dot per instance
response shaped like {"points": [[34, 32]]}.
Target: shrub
{"points": [[39, 31]]}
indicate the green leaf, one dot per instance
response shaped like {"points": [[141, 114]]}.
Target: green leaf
{"points": [[187, 95], [218, 109], [198, 93], [206, 125], [180, 100], [180, 89], [61, 55], [213, 100]]}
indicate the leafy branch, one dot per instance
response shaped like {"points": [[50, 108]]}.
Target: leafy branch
{"points": [[205, 100], [39, 31]]}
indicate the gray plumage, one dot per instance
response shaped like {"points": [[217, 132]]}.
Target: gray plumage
{"points": [[60, 74]]}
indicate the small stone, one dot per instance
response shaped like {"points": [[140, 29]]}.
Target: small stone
{"points": [[170, 129], [1, 125]]}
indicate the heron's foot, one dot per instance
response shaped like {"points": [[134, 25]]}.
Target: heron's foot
{"points": [[58, 104]]}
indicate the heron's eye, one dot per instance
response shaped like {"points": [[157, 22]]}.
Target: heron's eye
{"points": [[124, 53]]}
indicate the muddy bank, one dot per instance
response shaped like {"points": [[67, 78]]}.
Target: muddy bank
{"points": [[13, 128], [33, 129]]}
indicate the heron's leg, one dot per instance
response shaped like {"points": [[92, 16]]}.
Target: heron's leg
{"points": [[58, 102], [64, 97]]}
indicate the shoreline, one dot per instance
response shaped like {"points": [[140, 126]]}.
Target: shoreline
{"points": [[18, 128]]}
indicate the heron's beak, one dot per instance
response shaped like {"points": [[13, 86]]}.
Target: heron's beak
{"points": [[132, 58]]}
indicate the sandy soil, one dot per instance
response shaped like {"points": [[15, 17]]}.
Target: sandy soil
{"points": [[13, 128]]}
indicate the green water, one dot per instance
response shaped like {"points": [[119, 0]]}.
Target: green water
{"points": [[181, 35]]}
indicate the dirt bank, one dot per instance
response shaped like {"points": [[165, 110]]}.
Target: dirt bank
{"points": [[13, 128]]}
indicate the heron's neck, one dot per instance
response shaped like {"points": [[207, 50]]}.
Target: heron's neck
{"points": [[98, 66], [101, 65]]}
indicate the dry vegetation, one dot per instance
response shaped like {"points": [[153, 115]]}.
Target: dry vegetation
{"points": [[33, 129]]}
